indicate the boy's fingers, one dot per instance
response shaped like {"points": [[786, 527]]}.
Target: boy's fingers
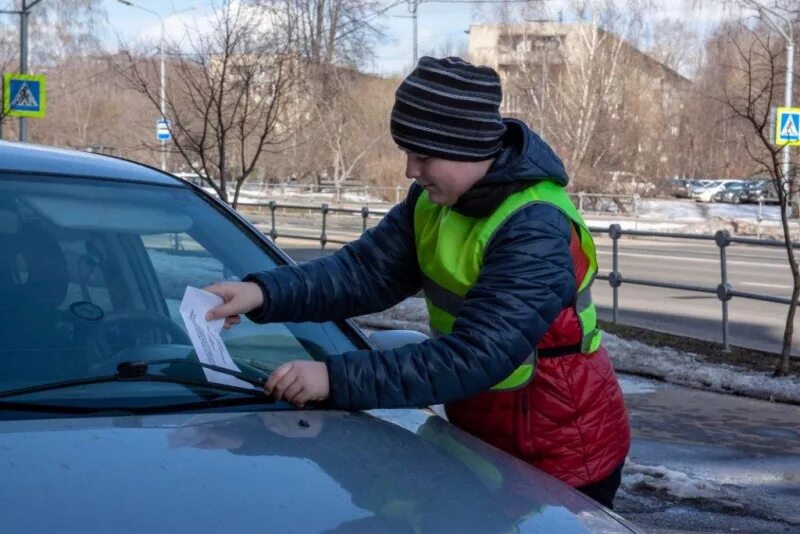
{"points": [[233, 320], [294, 390], [223, 310], [276, 376], [280, 388]]}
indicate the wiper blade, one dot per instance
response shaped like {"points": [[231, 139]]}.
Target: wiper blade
{"points": [[141, 366], [138, 372]]}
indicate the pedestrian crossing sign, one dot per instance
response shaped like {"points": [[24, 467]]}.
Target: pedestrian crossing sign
{"points": [[24, 95], [787, 127]]}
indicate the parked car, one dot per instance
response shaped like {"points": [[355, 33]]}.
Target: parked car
{"points": [[679, 187], [109, 422], [707, 192], [731, 193], [760, 191], [699, 185]]}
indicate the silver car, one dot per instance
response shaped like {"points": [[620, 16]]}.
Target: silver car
{"points": [[110, 424]]}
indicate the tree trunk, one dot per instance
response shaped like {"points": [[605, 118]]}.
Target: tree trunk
{"points": [[788, 331]]}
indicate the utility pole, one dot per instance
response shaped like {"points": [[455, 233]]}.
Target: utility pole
{"points": [[23, 13], [412, 8]]}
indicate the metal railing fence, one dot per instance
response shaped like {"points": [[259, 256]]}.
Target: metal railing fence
{"points": [[724, 291]]}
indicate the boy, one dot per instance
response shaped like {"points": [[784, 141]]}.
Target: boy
{"points": [[506, 263]]}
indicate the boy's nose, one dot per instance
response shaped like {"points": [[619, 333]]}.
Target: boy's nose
{"points": [[412, 171]]}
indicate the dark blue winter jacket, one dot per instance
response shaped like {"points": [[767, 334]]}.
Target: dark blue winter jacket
{"points": [[526, 280]]}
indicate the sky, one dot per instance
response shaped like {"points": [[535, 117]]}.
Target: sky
{"points": [[442, 25]]}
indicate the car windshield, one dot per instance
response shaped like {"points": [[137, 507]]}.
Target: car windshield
{"points": [[92, 273]]}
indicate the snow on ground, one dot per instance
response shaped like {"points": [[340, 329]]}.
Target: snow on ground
{"points": [[690, 210], [634, 357], [680, 485], [690, 370]]}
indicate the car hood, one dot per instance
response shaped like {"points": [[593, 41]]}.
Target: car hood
{"points": [[289, 471]]}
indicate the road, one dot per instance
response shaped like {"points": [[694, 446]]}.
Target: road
{"points": [[753, 324]]}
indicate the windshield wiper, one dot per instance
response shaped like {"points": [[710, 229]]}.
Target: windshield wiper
{"points": [[138, 372]]}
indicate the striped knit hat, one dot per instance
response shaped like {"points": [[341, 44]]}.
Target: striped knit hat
{"points": [[448, 108]]}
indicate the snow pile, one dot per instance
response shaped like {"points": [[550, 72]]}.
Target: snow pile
{"points": [[690, 370], [677, 484], [633, 357]]}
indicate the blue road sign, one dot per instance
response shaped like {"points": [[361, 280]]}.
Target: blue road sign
{"points": [[24, 95], [162, 130], [787, 131]]}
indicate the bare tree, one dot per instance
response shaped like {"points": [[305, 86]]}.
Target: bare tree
{"points": [[783, 18], [350, 125], [753, 88], [568, 80], [327, 32], [228, 94]]}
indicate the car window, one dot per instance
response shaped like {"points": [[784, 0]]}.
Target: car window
{"points": [[92, 273]]}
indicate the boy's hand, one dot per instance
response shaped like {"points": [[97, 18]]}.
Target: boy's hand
{"points": [[239, 297], [298, 382]]}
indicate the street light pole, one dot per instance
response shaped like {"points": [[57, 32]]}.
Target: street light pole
{"points": [[162, 103]]}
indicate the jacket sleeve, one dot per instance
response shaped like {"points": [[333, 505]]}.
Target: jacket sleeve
{"points": [[527, 278], [373, 273]]}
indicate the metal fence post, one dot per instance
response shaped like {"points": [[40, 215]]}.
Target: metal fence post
{"points": [[273, 233], [723, 240], [759, 218], [364, 215], [615, 277], [636, 211], [323, 238], [581, 195], [397, 194]]}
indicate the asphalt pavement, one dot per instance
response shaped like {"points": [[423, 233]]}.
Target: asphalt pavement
{"points": [[706, 462]]}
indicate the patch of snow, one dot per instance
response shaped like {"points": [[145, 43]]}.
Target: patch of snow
{"points": [[689, 369], [677, 484], [689, 210], [632, 385]]}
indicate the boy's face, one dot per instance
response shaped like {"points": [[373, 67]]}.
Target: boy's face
{"points": [[444, 180]]}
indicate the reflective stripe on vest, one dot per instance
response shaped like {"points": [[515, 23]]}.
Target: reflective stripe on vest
{"points": [[450, 248]]}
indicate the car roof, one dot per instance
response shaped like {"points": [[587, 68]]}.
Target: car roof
{"points": [[28, 158]]}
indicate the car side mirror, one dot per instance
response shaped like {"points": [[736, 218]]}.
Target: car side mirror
{"points": [[392, 339]]}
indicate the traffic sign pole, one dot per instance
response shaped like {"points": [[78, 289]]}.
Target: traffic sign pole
{"points": [[23, 63], [793, 200]]}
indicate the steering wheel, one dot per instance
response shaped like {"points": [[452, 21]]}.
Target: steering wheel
{"points": [[135, 320]]}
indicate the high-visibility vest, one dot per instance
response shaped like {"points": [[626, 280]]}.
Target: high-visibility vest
{"points": [[450, 249]]}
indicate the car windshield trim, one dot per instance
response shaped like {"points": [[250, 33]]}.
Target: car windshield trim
{"points": [[219, 402], [138, 372]]}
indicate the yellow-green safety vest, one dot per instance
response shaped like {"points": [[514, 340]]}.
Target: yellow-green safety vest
{"points": [[450, 249]]}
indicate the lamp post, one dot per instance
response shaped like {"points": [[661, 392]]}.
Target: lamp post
{"points": [[162, 101]]}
